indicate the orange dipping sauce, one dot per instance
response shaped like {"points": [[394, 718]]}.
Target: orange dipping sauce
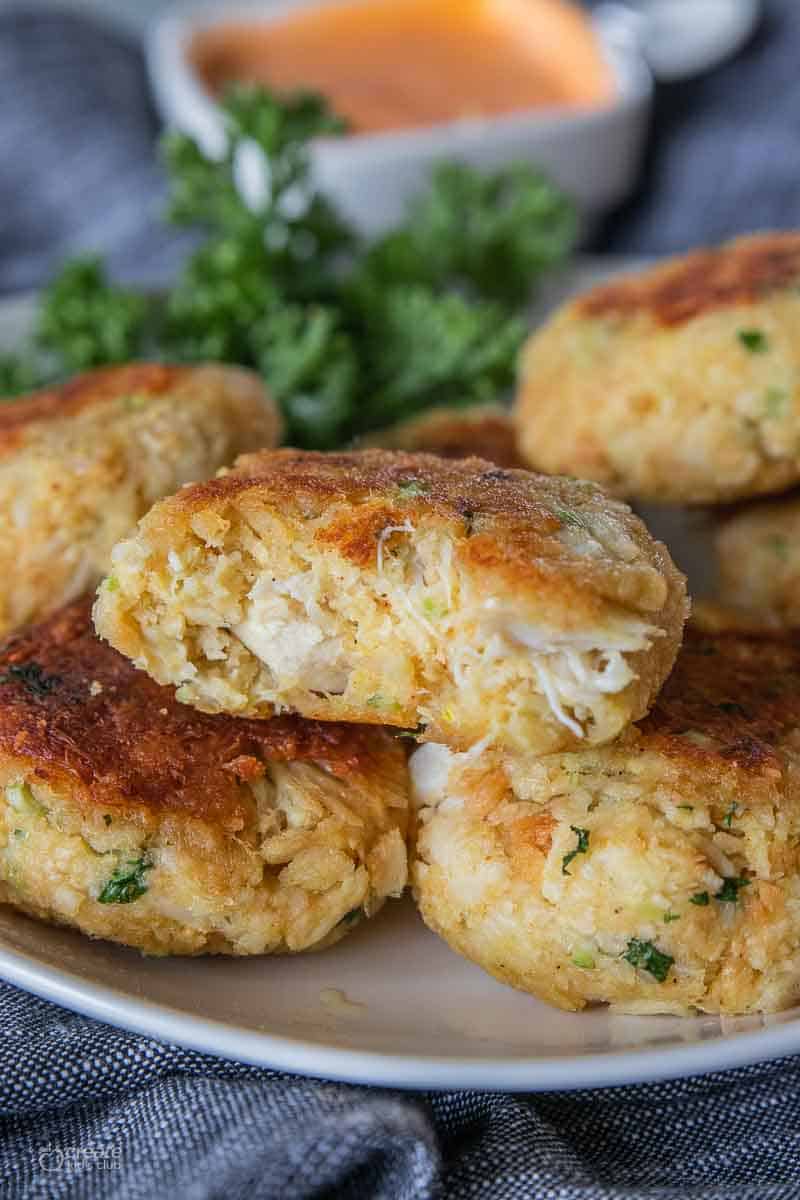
{"points": [[395, 64]]}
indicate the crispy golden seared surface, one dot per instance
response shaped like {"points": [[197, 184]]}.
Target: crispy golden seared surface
{"points": [[758, 558], [79, 708], [79, 464], [678, 384], [741, 272], [742, 693], [658, 873], [485, 430], [21, 419], [257, 835], [400, 589]]}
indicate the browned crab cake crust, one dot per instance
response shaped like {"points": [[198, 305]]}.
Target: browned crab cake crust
{"points": [[660, 873], [80, 463], [135, 818], [485, 430], [401, 589], [679, 384]]}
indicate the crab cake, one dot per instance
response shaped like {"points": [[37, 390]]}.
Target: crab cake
{"points": [[758, 558], [404, 590], [714, 616], [80, 463], [134, 818], [680, 384], [485, 430], [660, 873]]}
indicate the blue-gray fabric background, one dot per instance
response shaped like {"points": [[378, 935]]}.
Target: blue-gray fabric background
{"points": [[90, 1112]]}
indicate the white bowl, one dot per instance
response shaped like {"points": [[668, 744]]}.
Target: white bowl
{"points": [[594, 155]]}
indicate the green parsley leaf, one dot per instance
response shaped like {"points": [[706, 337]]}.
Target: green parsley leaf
{"points": [[413, 734], [567, 517], [582, 847], [700, 899], [649, 958], [492, 235], [729, 892], [778, 545], [412, 487], [423, 349], [19, 373], [127, 883], [669, 917], [775, 402], [434, 608], [730, 814], [310, 364], [89, 323], [349, 337], [754, 340]]}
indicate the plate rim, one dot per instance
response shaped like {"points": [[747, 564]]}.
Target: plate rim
{"points": [[298, 1056]]}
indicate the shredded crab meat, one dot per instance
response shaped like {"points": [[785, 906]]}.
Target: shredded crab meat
{"points": [[609, 679], [416, 617], [385, 534], [636, 635], [430, 767], [572, 673], [551, 695]]}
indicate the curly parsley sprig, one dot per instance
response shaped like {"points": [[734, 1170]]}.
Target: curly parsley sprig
{"points": [[349, 337]]}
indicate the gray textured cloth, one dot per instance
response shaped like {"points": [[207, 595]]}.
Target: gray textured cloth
{"points": [[77, 144], [77, 147], [87, 1111], [725, 156]]}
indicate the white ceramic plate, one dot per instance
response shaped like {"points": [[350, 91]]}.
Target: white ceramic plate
{"points": [[415, 1014]]}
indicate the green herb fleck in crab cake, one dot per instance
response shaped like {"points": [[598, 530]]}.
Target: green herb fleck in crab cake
{"points": [[660, 873], [131, 817], [455, 598], [679, 384]]}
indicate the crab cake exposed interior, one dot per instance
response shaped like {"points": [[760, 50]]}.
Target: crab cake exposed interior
{"points": [[660, 873], [486, 430], [80, 463], [680, 384], [408, 590], [135, 818]]}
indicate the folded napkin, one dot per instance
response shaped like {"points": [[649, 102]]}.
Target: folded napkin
{"points": [[88, 1111]]}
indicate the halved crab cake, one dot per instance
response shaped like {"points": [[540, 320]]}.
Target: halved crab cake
{"points": [[80, 463], [404, 590], [485, 430], [758, 558], [660, 873], [134, 818], [679, 384]]}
